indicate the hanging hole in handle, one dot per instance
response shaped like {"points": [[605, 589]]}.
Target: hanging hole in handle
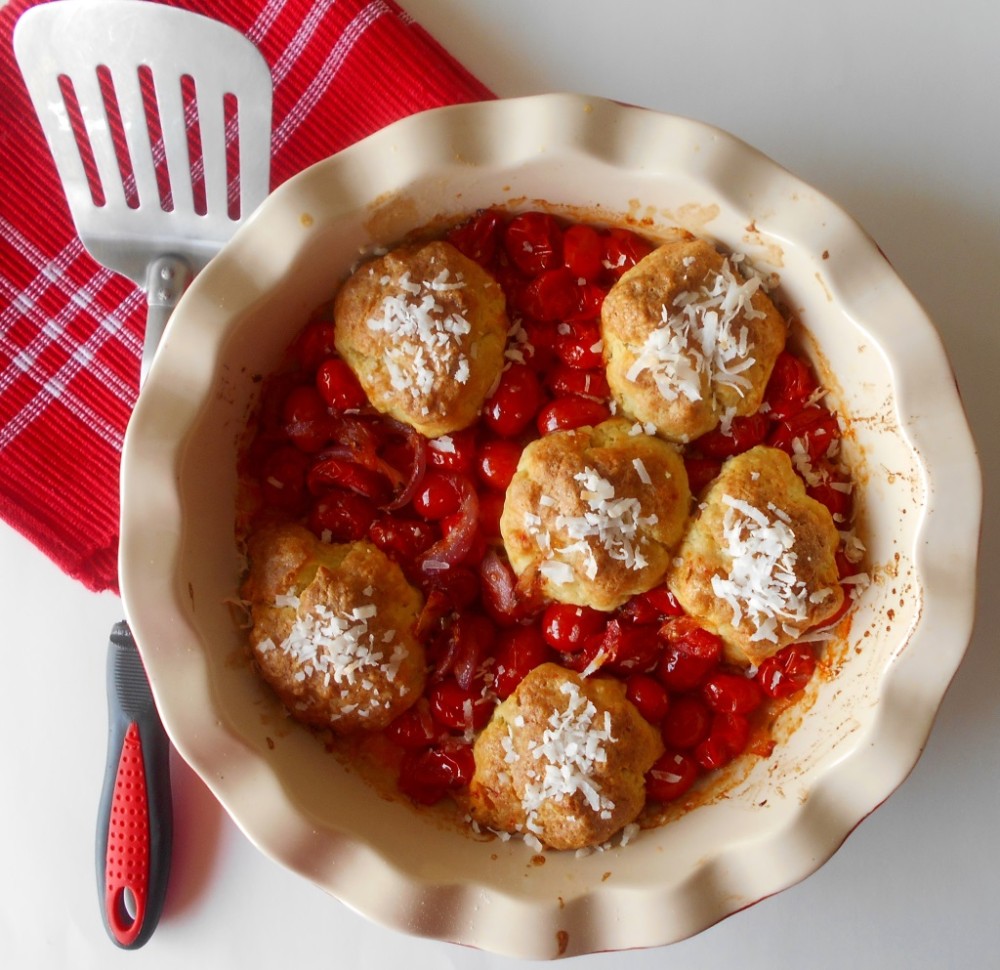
{"points": [[124, 914]]}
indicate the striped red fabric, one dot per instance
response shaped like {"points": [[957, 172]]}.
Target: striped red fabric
{"points": [[71, 332]]}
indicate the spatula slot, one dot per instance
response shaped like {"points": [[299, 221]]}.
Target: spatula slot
{"points": [[196, 161], [78, 129], [117, 132], [231, 112], [151, 112]]}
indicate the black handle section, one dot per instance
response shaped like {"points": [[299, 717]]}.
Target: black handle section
{"points": [[135, 819]]}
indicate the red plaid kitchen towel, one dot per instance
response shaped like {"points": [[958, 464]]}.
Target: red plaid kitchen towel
{"points": [[71, 332]]}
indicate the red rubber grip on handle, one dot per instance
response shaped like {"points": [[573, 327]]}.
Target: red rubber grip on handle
{"points": [[128, 854]]}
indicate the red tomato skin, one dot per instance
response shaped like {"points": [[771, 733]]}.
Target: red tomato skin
{"points": [[649, 696], [515, 402], [673, 773], [519, 651], [567, 628], [686, 723], [569, 413], [338, 385], [533, 241], [583, 251], [496, 462]]}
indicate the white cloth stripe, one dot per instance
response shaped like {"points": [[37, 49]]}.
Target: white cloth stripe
{"points": [[55, 388], [83, 297], [328, 70]]}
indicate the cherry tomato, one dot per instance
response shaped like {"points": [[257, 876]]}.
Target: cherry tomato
{"points": [[671, 776], [414, 729], [519, 650], [490, 510], [567, 413], [454, 452], [496, 462], [315, 343], [402, 539], [743, 434], [436, 497], [813, 429], [341, 516], [788, 671], [791, 384], [429, 774], [479, 236], [687, 722], [567, 628], [653, 606], [458, 708], [623, 249], [565, 381], [306, 418], [690, 653], [338, 386], [533, 240], [552, 296], [649, 696], [580, 346], [728, 737], [624, 649], [732, 693], [515, 402], [701, 471], [583, 251], [283, 478]]}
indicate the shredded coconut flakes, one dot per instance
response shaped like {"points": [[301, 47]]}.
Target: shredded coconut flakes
{"points": [[564, 760], [699, 341], [761, 584], [614, 524], [422, 332]]}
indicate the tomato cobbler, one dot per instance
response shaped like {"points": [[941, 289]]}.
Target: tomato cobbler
{"points": [[548, 515]]}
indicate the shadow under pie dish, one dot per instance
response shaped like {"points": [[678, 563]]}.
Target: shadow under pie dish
{"points": [[649, 175]]}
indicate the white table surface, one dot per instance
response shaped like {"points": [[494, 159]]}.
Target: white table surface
{"points": [[893, 109]]}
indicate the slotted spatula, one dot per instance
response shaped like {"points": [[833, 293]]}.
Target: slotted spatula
{"points": [[159, 122]]}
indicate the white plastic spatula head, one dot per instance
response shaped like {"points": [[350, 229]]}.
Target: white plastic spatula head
{"points": [[159, 122]]}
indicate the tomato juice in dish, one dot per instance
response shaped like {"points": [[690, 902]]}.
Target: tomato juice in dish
{"points": [[466, 518]]}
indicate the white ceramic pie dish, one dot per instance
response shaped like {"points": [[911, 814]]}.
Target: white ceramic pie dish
{"points": [[862, 731]]}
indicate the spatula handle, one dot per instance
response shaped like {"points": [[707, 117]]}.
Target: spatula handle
{"points": [[135, 821]]}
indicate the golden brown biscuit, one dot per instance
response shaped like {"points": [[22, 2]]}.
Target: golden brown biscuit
{"points": [[758, 563], [563, 759], [424, 329], [332, 629], [592, 515], [688, 341]]}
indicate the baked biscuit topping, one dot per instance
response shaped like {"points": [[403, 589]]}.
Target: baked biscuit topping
{"points": [[758, 564], [702, 338], [689, 341], [594, 513], [332, 629], [563, 760], [423, 328]]}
